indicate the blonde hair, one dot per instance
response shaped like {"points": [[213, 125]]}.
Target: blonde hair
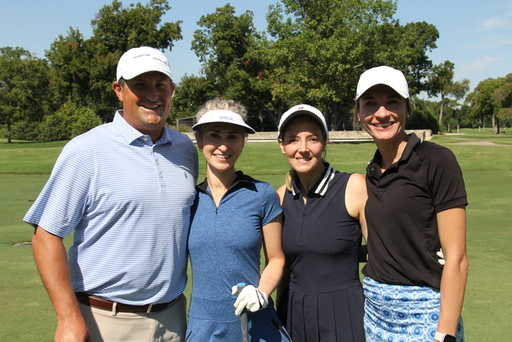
{"points": [[222, 104], [288, 180], [216, 104]]}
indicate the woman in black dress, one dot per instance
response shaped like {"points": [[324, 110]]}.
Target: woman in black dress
{"points": [[321, 299]]}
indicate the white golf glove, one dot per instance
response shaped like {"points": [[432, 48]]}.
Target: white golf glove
{"points": [[249, 298], [441, 259]]}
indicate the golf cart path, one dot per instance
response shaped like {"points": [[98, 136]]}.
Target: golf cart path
{"points": [[481, 143]]}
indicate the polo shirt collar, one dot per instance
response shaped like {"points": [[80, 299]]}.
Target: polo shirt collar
{"points": [[322, 184], [413, 142], [411, 146], [131, 135], [241, 179]]}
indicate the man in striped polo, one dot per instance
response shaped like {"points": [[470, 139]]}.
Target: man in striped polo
{"points": [[125, 189]]}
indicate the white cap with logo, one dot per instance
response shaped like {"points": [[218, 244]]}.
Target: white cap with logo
{"points": [[223, 116], [303, 109], [139, 60], [386, 75]]}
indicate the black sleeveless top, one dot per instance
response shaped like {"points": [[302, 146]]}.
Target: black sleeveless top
{"points": [[321, 242]]}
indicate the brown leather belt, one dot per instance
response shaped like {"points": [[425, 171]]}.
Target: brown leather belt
{"points": [[104, 304]]}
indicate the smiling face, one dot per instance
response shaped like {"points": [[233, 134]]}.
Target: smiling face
{"points": [[302, 143], [147, 101], [383, 113], [222, 144]]}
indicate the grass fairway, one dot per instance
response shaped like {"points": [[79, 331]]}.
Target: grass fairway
{"points": [[26, 313]]}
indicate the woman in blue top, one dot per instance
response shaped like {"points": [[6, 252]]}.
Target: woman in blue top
{"points": [[233, 216]]}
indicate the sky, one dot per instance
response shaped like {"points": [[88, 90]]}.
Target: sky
{"points": [[475, 35]]}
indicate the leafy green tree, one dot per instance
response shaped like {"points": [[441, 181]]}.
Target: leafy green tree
{"points": [[459, 90], [484, 105], [24, 130], [84, 120], [423, 115], [441, 83], [503, 96], [84, 69], [67, 122], [191, 93], [466, 117], [314, 54], [55, 127], [70, 76], [321, 47], [117, 29], [452, 115], [224, 40], [23, 89], [230, 49]]}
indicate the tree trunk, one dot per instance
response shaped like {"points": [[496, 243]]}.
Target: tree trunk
{"points": [[441, 110], [9, 131]]}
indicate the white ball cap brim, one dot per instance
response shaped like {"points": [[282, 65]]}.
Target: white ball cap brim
{"points": [[303, 109], [385, 75], [140, 60], [223, 116]]}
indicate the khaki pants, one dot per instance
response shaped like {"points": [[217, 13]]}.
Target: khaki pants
{"points": [[167, 325]]}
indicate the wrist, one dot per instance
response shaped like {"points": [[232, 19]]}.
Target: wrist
{"points": [[264, 292], [442, 337]]}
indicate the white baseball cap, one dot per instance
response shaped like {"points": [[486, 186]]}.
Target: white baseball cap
{"points": [[303, 109], [386, 75], [142, 59], [223, 116]]}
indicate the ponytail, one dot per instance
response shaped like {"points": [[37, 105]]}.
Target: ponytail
{"points": [[290, 176]]}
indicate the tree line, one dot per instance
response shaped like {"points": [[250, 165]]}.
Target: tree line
{"points": [[312, 51]]}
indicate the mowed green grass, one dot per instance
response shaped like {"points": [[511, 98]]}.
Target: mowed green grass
{"points": [[26, 313]]}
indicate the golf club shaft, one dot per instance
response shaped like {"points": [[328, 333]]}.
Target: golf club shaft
{"points": [[243, 318]]}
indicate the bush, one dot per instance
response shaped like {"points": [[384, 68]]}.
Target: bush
{"points": [[423, 116], [25, 130], [55, 127], [84, 120], [68, 122]]}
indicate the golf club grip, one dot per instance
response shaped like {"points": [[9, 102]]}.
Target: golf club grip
{"points": [[243, 317], [244, 326]]}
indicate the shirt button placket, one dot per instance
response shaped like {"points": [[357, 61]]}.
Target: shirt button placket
{"points": [[158, 168]]}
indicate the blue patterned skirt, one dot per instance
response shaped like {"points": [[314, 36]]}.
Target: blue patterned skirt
{"points": [[395, 313]]}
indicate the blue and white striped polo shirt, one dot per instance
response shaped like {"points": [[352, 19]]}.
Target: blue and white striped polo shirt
{"points": [[128, 201]]}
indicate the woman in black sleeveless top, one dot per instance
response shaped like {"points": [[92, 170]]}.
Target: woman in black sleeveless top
{"points": [[322, 298]]}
